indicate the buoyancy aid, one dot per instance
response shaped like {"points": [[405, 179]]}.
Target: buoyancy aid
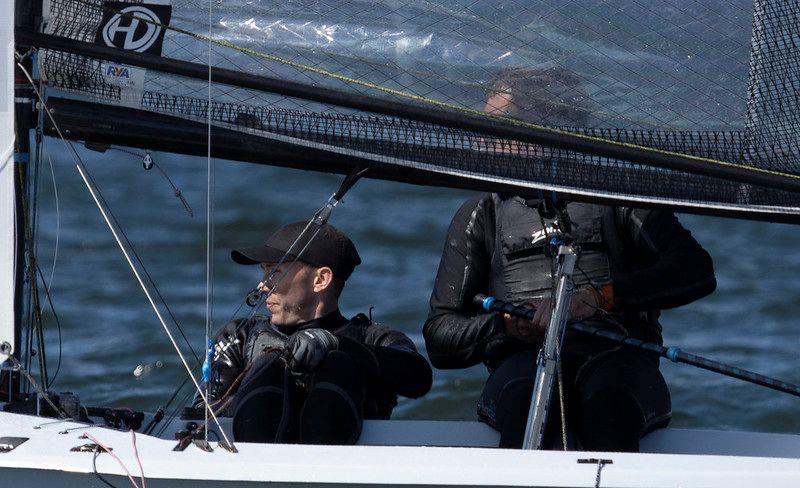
{"points": [[258, 336], [521, 269], [241, 342]]}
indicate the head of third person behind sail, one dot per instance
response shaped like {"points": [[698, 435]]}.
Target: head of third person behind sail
{"points": [[550, 97], [304, 273], [547, 96]]}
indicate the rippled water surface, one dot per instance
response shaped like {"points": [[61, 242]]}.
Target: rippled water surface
{"points": [[109, 328]]}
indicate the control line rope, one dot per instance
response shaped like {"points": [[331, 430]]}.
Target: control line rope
{"points": [[114, 231], [209, 227]]}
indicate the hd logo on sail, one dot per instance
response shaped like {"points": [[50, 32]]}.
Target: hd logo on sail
{"points": [[138, 27]]}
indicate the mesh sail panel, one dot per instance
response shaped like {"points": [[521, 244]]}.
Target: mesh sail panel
{"points": [[773, 107], [707, 79]]}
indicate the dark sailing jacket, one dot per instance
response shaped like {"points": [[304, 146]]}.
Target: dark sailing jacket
{"points": [[387, 359], [493, 247]]}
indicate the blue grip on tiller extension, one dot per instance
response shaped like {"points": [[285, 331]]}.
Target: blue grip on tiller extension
{"points": [[492, 304], [207, 362]]}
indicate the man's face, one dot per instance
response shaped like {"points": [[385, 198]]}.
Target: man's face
{"points": [[291, 298], [500, 103]]}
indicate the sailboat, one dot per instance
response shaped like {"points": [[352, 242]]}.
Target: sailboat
{"points": [[392, 91]]}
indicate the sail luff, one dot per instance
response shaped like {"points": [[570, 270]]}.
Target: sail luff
{"points": [[436, 115], [8, 239]]}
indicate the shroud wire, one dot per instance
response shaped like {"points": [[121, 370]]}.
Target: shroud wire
{"points": [[97, 198]]}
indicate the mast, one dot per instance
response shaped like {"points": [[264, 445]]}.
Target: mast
{"points": [[8, 235], [17, 116]]}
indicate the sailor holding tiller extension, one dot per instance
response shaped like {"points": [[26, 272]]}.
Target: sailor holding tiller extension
{"points": [[632, 264], [307, 374]]}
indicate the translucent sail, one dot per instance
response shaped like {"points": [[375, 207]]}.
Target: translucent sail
{"points": [[708, 81]]}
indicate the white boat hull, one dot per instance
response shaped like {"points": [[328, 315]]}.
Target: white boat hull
{"points": [[673, 458]]}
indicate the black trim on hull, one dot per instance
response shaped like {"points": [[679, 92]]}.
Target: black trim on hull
{"points": [[423, 113], [122, 126]]}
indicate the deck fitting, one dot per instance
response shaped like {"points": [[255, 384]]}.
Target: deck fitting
{"points": [[8, 444]]}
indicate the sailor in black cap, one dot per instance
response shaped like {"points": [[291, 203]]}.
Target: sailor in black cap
{"points": [[306, 373]]}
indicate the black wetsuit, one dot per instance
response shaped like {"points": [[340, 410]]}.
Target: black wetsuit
{"points": [[613, 395], [372, 365]]}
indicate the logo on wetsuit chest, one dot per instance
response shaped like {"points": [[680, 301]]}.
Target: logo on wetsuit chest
{"points": [[540, 235], [222, 346]]}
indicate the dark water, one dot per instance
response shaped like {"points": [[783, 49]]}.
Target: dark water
{"points": [[109, 328]]}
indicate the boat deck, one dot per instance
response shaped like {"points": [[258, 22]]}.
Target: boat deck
{"points": [[398, 453]]}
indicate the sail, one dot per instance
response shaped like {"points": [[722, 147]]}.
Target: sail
{"points": [[683, 105], [7, 189]]}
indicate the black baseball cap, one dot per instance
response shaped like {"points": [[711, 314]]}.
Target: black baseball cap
{"points": [[331, 248]]}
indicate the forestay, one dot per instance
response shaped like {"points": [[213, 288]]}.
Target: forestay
{"points": [[709, 82]]}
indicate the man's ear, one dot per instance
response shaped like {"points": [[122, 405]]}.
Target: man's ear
{"points": [[323, 279]]}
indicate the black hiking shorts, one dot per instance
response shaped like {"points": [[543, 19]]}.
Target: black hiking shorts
{"points": [[618, 390]]}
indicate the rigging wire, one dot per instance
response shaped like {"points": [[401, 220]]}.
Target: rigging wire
{"points": [[174, 413], [178, 194], [58, 226], [159, 414], [111, 452], [58, 323], [61, 414], [94, 467], [141, 264], [35, 183], [209, 230], [177, 191], [138, 460], [28, 214], [34, 304], [116, 230], [136, 255], [147, 273]]}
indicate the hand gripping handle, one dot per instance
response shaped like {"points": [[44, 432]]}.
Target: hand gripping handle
{"points": [[492, 304]]}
